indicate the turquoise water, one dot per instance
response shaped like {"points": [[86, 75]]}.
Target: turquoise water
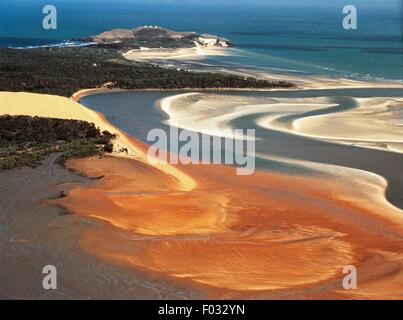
{"points": [[299, 36]]}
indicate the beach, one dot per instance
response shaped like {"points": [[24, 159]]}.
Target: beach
{"points": [[183, 54]]}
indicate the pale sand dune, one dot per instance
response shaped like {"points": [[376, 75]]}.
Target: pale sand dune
{"points": [[195, 53], [194, 57], [63, 108], [21, 103]]}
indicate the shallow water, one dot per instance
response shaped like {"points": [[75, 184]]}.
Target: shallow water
{"points": [[137, 113]]}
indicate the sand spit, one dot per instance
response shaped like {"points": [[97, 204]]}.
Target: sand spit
{"points": [[182, 54], [192, 59]]}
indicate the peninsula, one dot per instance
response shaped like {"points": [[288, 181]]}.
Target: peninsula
{"points": [[156, 37], [114, 64]]}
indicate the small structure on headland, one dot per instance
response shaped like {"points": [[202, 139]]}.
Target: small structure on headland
{"points": [[157, 37], [207, 40], [109, 85]]}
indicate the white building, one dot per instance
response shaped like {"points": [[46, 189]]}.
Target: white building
{"points": [[208, 41]]}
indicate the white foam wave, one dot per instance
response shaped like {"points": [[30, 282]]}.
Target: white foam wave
{"points": [[63, 44]]}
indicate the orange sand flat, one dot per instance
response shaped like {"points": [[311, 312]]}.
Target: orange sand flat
{"points": [[227, 236], [260, 236]]}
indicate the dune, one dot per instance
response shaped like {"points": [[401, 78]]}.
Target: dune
{"points": [[192, 59], [51, 106], [21, 103]]}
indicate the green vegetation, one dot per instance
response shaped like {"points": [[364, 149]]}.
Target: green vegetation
{"points": [[25, 141], [63, 71]]}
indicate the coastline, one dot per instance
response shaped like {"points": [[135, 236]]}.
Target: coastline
{"points": [[64, 108], [263, 233], [302, 82]]}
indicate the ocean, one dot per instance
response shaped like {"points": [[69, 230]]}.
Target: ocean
{"points": [[297, 36]]}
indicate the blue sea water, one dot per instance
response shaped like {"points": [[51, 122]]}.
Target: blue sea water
{"points": [[297, 36]]}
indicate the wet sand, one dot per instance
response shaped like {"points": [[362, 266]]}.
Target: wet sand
{"points": [[239, 237], [134, 235], [35, 233]]}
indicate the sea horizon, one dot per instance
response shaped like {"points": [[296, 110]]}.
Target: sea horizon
{"points": [[278, 37]]}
